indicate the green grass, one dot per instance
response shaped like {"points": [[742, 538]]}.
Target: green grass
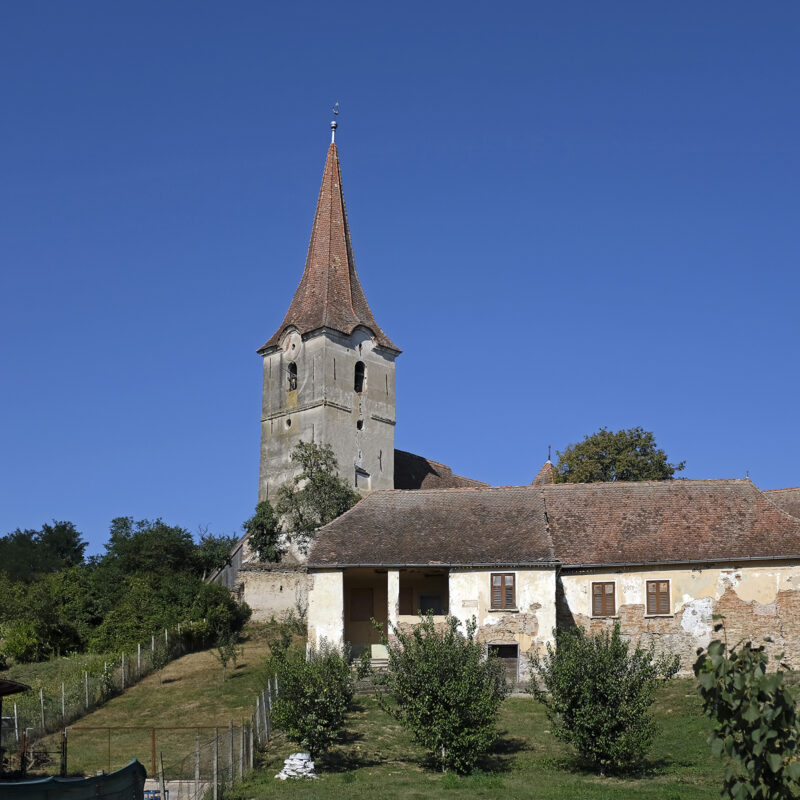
{"points": [[190, 691], [378, 759]]}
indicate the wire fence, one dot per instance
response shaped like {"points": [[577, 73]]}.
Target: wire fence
{"points": [[38, 713], [188, 762]]}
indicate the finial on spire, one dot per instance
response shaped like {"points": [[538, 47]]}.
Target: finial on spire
{"points": [[548, 452], [334, 123]]}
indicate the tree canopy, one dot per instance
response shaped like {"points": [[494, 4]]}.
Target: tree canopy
{"points": [[626, 455]]}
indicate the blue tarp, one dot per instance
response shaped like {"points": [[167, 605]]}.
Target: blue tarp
{"points": [[124, 784]]}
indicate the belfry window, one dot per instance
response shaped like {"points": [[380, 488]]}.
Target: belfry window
{"points": [[292, 371], [358, 381]]}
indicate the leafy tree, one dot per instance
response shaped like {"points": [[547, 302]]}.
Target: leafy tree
{"points": [[212, 552], [440, 686], [317, 494], [150, 547], [25, 555], [597, 693], [315, 691], [627, 455], [264, 533], [756, 723]]}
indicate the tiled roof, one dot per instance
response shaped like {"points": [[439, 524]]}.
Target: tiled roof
{"points": [[652, 522], [330, 294], [501, 526], [787, 499], [664, 521], [415, 472], [547, 474]]}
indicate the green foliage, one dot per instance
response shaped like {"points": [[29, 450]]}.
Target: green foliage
{"points": [[212, 552], [25, 555], [317, 494], [315, 691], [756, 724], [442, 688], [597, 694], [627, 455], [151, 547], [264, 533]]}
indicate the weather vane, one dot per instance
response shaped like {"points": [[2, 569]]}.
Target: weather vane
{"points": [[334, 124]]}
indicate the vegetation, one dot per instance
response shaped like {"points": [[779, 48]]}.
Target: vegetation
{"points": [[316, 495], [316, 689], [627, 455], [441, 687], [53, 602], [756, 724], [597, 694], [264, 533]]}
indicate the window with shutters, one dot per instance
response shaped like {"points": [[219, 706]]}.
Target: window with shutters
{"points": [[503, 590], [658, 601], [603, 599]]}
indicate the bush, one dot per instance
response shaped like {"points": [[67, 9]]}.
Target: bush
{"points": [[755, 718], [441, 686], [597, 692], [314, 694]]}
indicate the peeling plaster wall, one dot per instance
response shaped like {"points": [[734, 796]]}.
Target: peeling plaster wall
{"points": [[273, 593], [326, 607], [530, 626], [757, 600]]}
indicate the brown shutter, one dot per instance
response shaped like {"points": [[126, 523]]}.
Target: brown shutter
{"points": [[597, 599], [509, 598], [608, 600], [497, 591], [663, 597]]}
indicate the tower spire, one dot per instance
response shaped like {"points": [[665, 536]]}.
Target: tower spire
{"points": [[330, 293]]}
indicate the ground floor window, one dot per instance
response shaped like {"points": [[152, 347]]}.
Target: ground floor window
{"points": [[509, 655], [658, 597], [603, 599]]}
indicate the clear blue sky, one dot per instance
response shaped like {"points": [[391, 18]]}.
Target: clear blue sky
{"points": [[567, 215]]}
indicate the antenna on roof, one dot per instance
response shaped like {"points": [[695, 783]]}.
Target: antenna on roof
{"points": [[334, 124]]}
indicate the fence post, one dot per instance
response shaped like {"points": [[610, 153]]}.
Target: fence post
{"points": [[196, 765], [276, 690], [63, 703], [231, 768], [123, 670], [267, 717], [256, 717], [241, 750], [16, 724], [166, 640], [162, 783], [64, 753], [153, 644], [41, 702], [86, 687], [139, 660], [215, 764], [250, 750]]}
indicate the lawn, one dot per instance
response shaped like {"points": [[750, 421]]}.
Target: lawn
{"points": [[378, 759]]}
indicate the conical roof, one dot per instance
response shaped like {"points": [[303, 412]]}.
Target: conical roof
{"points": [[546, 475], [330, 294]]}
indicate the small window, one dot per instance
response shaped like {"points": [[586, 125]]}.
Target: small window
{"points": [[658, 597], [358, 380], [503, 595], [292, 376], [603, 599]]}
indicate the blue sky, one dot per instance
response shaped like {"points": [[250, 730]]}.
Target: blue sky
{"points": [[568, 215]]}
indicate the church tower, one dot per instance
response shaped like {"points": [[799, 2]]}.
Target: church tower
{"points": [[329, 368]]}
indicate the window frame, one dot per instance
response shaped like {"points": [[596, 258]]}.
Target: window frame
{"points": [[504, 605], [603, 594], [655, 612]]}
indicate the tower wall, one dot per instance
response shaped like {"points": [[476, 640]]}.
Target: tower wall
{"points": [[325, 407]]}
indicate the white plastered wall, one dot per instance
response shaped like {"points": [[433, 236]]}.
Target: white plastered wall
{"points": [[326, 607]]}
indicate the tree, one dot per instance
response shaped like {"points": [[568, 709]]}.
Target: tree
{"points": [[440, 685], [317, 494], [597, 694], [756, 723], [628, 455], [264, 533], [25, 555], [315, 691], [212, 552]]}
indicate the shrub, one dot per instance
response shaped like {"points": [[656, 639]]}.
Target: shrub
{"points": [[315, 691], [755, 718], [442, 687], [597, 692]]}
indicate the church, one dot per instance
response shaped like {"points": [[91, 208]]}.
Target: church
{"points": [[661, 558]]}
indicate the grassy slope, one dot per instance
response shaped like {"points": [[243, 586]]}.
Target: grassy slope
{"points": [[190, 691], [378, 759]]}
